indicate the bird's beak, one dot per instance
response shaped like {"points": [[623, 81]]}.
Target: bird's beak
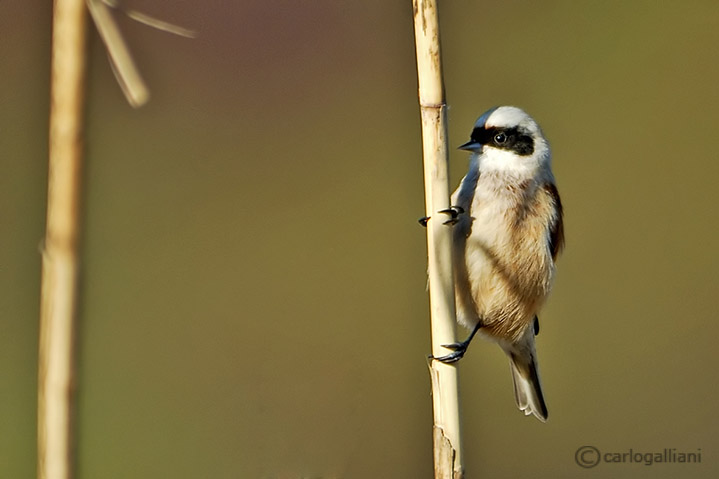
{"points": [[471, 145]]}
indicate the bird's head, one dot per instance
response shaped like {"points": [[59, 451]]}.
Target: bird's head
{"points": [[508, 139]]}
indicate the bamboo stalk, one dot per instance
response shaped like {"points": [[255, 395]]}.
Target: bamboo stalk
{"points": [[60, 250], [445, 396]]}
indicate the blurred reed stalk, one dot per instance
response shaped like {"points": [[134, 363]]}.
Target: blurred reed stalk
{"points": [[56, 375], [123, 66], [445, 397]]}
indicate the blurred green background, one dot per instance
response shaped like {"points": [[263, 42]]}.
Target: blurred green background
{"points": [[254, 300]]}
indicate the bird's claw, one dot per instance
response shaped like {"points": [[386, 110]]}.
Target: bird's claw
{"points": [[456, 346], [458, 350], [452, 211]]}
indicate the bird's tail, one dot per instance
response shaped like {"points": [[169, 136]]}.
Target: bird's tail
{"points": [[525, 376]]}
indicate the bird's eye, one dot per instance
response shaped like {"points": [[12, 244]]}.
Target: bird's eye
{"points": [[500, 138]]}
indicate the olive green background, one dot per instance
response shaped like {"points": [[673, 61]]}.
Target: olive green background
{"points": [[253, 301]]}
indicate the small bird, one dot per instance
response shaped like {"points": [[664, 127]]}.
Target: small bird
{"points": [[508, 231]]}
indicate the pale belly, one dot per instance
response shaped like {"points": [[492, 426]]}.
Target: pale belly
{"points": [[503, 269]]}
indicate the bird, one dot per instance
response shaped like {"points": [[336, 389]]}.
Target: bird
{"points": [[508, 230]]}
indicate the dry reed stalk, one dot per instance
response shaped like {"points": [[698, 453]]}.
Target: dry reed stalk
{"points": [[445, 397], [60, 251], [123, 66]]}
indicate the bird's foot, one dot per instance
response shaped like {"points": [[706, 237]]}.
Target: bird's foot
{"points": [[452, 211], [458, 350]]}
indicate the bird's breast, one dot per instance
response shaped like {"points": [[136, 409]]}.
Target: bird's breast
{"points": [[507, 266]]}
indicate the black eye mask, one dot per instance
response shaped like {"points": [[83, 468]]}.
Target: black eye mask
{"points": [[511, 139]]}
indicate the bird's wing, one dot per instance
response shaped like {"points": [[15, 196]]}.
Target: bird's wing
{"points": [[556, 227]]}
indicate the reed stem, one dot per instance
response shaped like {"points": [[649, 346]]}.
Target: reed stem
{"points": [[445, 396], [56, 376]]}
